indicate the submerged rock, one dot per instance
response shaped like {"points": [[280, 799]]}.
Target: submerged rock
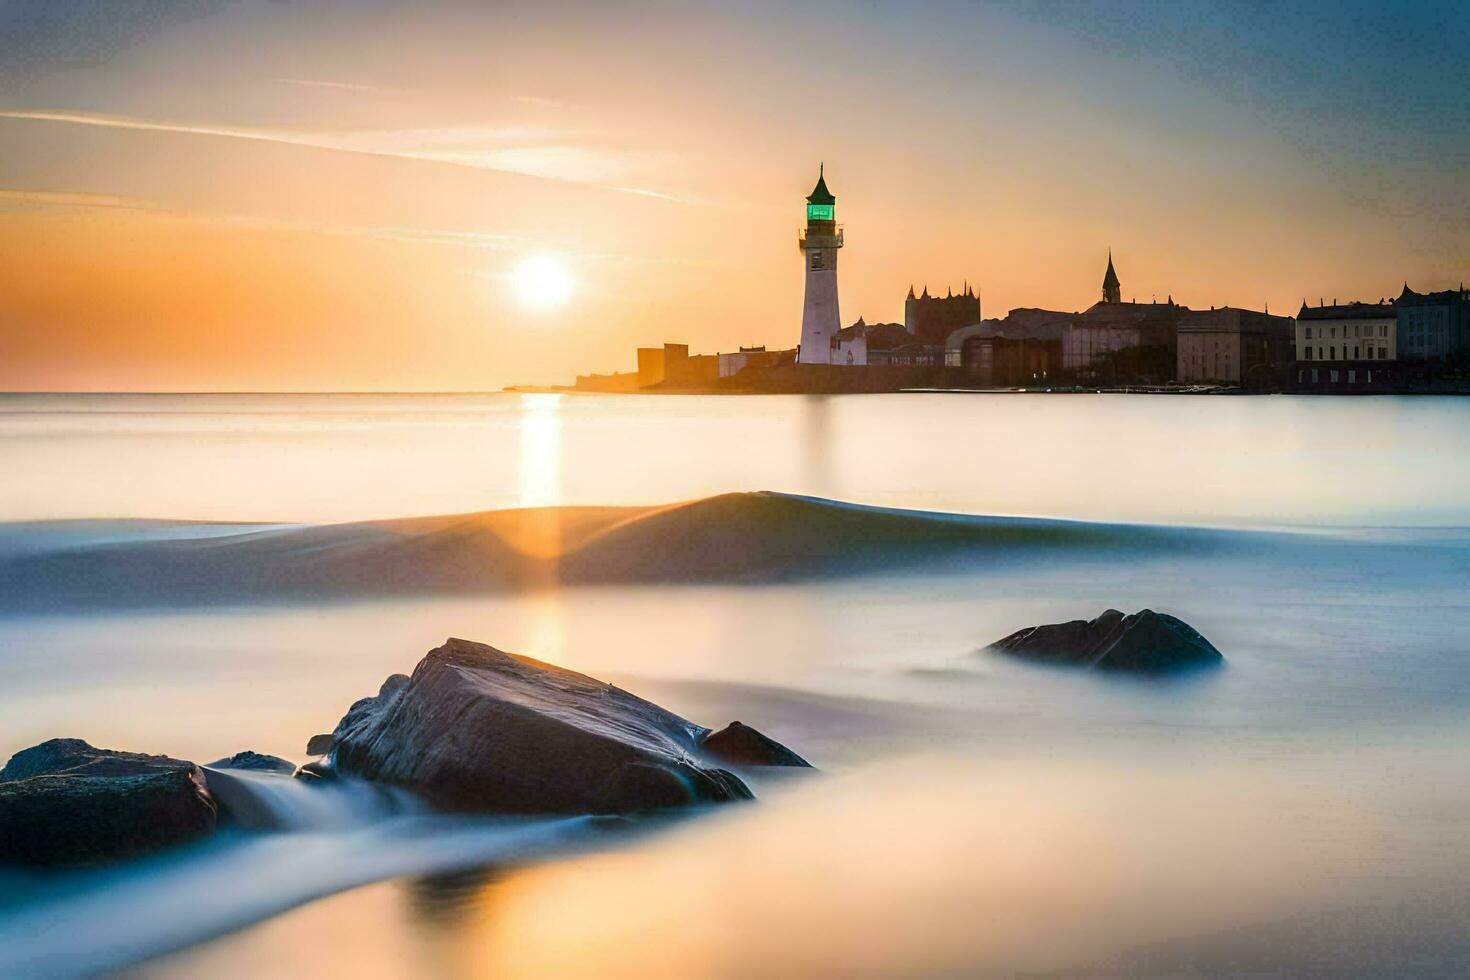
{"points": [[741, 745], [1146, 642], [255, 762], [477, 729], [67, 802]]}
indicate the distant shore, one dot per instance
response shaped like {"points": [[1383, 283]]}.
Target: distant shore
{"points": [[1456, 387]]}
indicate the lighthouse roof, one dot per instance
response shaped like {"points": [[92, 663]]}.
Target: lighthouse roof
{"points": [[820, 194]]}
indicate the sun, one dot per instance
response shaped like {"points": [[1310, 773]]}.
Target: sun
{"points": [[541, 282]]}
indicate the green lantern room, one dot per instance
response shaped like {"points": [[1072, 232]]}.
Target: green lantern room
{"points": [[820, 204]]}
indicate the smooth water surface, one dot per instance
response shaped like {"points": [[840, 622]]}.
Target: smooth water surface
{"points": [[1150, 459], [1298, 813]]}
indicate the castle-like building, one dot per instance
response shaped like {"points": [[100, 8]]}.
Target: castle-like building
{"points": [[932, 318]]}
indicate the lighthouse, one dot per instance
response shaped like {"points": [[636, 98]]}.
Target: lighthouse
{"points": [[819, 242]]}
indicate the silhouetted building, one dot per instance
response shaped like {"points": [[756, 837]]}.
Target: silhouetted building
{"points": [[1433, 326], [1112, 291], [884, 339], [819, 242], [752, 357], [1235, 347], [620, 382], [998, 353], [1114, 340], [672, 366], [931, 319]]}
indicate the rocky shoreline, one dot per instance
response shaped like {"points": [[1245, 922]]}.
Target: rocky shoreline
{"points": [[473, 730]]}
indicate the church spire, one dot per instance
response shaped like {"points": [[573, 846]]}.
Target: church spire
{"points": [[1112, 289]]}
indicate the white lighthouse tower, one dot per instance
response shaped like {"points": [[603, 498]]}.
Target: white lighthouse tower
{"points": [[819, 243]]}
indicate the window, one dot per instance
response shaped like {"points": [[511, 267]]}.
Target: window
{"points": [[1357, 352], [1383, 330], [819, 260], [1308, 352], [1309, 333], [1332, 353]]}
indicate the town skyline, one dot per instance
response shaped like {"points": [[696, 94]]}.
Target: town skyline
{"points": [[260, 197]]}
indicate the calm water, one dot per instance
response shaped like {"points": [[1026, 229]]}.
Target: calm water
{"points": [[1396, 461], [1299, 813]]}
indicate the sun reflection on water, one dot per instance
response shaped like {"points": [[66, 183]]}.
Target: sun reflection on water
{"points": [[540, 431]]}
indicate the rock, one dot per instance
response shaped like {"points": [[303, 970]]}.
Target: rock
{"points": [[255, 762], [477, 729], [319, 745], [65, 802], [741, 745], [1145, 642]]}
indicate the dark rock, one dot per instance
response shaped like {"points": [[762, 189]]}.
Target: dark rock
{"points": [[478, 729], [255, 762], [1145, 642], [319, 745], [741, 745], [66, 802]]}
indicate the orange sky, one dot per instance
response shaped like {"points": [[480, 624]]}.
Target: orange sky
{"points": [[265, 196]]}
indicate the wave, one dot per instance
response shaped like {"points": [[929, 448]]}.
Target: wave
{"points": [[755, 537]]}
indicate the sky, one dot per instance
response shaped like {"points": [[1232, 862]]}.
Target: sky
{"points": [[204, 195]]}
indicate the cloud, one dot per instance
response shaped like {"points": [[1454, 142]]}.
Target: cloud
{"points": [[526, 151], [360, 88], [74, 199], [65, 200]]}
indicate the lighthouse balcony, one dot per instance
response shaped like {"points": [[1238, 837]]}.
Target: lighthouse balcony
{"points": [[820, 234]]}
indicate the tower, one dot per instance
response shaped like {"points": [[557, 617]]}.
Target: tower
{"points": [[819, 242], [1112, 289]]}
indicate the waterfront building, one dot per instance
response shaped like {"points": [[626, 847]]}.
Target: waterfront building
{"points": [[1234, 346], [931, 319], [885, 341], [819, 243], [1345, 343], [671, 365], [1338, 334], [850, 345], [1116, 340], [751, 357], [992, 354], [618, 382], [1433, 326]]}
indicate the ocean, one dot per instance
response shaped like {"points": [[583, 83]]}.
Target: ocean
{"points": [[1299, 812]]}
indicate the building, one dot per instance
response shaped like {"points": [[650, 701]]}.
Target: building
{"points": [[850, 345], [931, 319], [1114, 340], [671, 365], [819, 242], [752, 357], [1350, 332], [620, 382], [993, 354], [1433, 326], [1345, 344], [883, 340], [1112, 291], [1235, 347]]}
